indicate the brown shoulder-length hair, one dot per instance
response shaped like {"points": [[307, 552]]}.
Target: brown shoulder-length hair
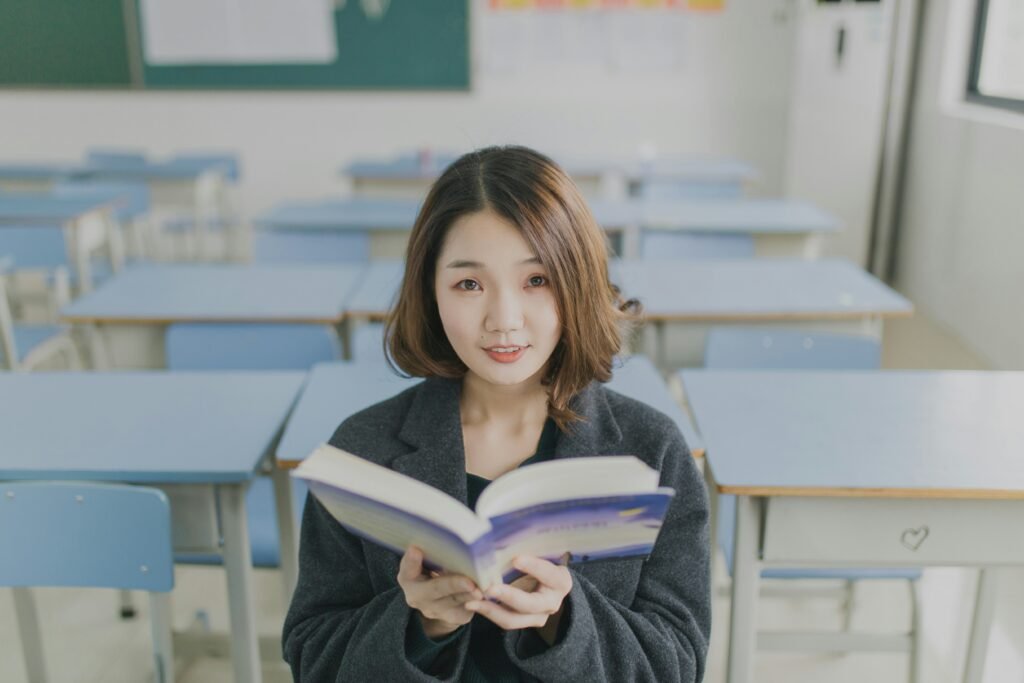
{"points": [[531, 192]]}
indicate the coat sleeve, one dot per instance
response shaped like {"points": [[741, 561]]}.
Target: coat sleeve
{"points": [[663, 635], [339, 628]]}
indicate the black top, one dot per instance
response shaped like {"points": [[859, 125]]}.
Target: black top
{"points": [[487, 661]]}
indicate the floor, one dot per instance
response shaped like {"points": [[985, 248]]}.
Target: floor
{"points": [[86, 641]]}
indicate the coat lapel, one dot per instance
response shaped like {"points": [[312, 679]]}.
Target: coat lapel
{"points": [[433, 427]]}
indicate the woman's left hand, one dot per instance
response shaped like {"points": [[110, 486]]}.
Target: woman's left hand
{"points": [[531, 601]]}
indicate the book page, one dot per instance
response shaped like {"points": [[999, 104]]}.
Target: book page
{"points": [[567, 479]]}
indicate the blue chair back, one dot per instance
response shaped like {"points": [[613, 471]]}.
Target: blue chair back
{"points": [[249, 346], [34, 246], [226, 160], [133, 198], [368, 342], [668, 244], [85, 534], [101, 156], [742, 348], [273, 246]]}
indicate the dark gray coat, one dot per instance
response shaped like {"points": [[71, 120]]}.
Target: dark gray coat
{"points": [[628, 620]]}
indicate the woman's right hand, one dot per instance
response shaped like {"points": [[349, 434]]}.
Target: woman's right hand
{"points": [[438, 599]]}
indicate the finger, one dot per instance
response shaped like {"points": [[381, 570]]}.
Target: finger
{"points": [[411, 566], [549, 574], [543, 601], [444, 586], [504, 617]]}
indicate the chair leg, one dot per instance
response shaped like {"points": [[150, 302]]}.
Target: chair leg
{"points": [[31, 637], [163, 646], [915, 631], [127, 607]]}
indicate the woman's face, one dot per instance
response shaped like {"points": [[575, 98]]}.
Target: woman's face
{"points": [[495, 300]]}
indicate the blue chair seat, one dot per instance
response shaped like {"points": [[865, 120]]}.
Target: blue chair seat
{"points": [[262, 521], [905, 573], [29, 337]]}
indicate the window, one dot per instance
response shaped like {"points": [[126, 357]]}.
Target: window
{"points": [[997, 57]]}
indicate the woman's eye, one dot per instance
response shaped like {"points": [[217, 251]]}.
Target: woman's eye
{"points": [[468, 285], [538, 281]]}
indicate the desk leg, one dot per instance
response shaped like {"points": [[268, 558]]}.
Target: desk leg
{"points": [[712, 523], [287, 529], [31, 637], [245, 654], [981, 625], [745, 588], [99, 355]]}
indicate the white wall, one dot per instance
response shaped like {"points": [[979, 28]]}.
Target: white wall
{"points": [[961, 254], [728, 97]]}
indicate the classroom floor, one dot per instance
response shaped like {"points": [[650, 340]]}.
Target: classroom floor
{"points": [[86, 642]]}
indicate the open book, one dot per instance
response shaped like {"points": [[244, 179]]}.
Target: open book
{"points": [[592, 508]]}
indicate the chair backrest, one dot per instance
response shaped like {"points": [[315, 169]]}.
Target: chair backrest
{"points": [[667, 244], [368, 342], [34, 246], [133, 198], [102, 156], [226, 160], [85, 534], [249, 346], [740, 348], [273, 246], [8, 346]]}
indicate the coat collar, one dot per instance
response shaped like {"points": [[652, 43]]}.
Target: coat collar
{"points": [[433, 427]]}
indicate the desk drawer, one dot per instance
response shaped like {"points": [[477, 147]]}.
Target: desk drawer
{"points": [[893, 532]]}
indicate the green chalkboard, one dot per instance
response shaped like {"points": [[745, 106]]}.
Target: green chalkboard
{"points": [[63, 43], [416, 44]]}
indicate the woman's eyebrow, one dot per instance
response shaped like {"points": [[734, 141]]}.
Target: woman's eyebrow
{"points": [[459, 263]]}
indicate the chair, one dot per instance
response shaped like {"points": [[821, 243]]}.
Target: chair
{"points": [[668, 244], [133, 204], [211, 346], [115, 157], [43, 268], [736, 348], [23, 347], [368, 342], [87, 535], [272, 246]]}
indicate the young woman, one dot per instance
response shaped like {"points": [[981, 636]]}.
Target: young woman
{"points": [[507, 310]]}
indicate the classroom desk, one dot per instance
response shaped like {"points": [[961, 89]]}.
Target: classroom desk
{"points": [[335, 391], [202, 437], [125, 319], [411, 174], [864, 469], [829, 295], [780, 227], [197, 186], [88, 224], [387, 221], [31, 176]]}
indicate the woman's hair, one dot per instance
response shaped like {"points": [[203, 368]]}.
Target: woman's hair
{"points": [[531, 192]]}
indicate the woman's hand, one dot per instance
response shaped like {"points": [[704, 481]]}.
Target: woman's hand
{"points": [[531, 601], [440, 600]]}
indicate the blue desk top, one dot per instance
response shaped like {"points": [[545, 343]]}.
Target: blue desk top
{"points": [[172, 169], [404, 167], [210, 292], [154, 427], [337, 390], [358, 214], [33, 171], [754, 289], [377, 289], [751, 216], [36, 207], [691, 168], [882, 433]]}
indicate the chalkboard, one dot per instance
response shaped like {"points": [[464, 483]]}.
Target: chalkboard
{"points": [[415, 44]]}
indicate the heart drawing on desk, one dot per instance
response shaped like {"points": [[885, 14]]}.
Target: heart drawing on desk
{"points": [[913, 538]]}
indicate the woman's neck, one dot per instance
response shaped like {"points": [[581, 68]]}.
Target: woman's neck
{"points": [[512, 407]]}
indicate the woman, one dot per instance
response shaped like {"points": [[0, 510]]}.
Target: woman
{"points": [[507, 311]]}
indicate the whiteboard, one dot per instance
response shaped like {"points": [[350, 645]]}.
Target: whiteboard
{"points": [[176, 32]]}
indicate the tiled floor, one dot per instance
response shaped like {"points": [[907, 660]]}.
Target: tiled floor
{"points": [[85, 641]]}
